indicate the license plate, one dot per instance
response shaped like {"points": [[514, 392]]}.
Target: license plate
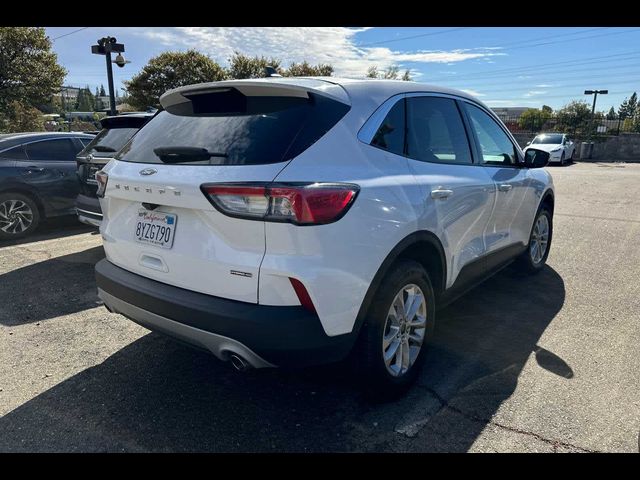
{"points": [[91, 174], [155, 228]]}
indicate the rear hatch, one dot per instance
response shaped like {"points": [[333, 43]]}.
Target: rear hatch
{"points": [[158, 220], [115, 134]]}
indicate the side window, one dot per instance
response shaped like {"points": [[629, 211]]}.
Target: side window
{"points": [[435, 132], [495, 145], [390, 135], [15, 153], [59, 149]]}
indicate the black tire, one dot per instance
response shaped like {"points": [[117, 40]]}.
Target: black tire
{"points": [[562, 160], [525, 262], [380, 384], [7, 233], [572, 154]]}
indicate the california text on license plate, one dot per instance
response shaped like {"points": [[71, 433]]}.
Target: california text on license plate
{"points": [[156, 228]]}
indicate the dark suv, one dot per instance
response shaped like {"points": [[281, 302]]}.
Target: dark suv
{"points": [[37, 178], [116, 131]]}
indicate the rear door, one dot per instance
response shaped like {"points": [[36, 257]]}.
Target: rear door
{"points": [[50, 167], [516, 201], [224, 137], [458, 195]]}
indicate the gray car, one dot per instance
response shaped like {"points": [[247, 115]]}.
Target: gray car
{"points": [[37, 178]]}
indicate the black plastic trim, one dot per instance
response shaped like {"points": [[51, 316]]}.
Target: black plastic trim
{"points": [[282, 335]]}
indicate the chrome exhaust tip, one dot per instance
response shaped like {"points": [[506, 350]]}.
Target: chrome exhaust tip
{"points": [[239, 363]]}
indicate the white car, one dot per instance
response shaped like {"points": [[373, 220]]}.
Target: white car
{"points": [[560, 147], [291, 221]]}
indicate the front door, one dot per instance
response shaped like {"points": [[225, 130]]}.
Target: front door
{"points": [[509, 227]]}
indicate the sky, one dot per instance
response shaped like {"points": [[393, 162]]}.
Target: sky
{"points": [[515, 66]]}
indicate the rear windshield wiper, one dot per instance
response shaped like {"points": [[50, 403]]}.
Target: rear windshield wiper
{"points": [[103, 148], [185, 154]]}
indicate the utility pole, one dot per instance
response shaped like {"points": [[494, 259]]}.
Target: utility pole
{"points": [[593, 108], [104, 47]]}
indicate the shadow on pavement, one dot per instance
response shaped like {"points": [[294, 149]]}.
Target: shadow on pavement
{"points": [[50, 288], [157, 395], [58, 227]]}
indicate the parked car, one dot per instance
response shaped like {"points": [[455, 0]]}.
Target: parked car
{"points": [[37, 179], [289, 222], [116, 131], [560, 147]]}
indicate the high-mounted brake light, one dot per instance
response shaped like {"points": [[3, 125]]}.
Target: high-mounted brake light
{"points": [[102, 178], [308, 204]]}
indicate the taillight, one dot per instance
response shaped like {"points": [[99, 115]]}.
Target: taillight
{"points": [[102, 178], [308, 204]]}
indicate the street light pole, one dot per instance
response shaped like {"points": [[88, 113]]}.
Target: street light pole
{"points": [[112, 98], [105, 46], [593, 107]]}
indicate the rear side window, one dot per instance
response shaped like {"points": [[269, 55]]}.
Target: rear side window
{"points": [[15, 153], [52, 150], [390, 134], [235, 130], [435, 132], [109, 141]]}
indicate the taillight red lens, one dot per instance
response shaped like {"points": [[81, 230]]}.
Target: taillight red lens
{"points": [[309, 204], [102, 178]]}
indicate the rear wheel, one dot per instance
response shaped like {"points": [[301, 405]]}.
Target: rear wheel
{"points": [[19, 216], [562, 160], [397, 330], [535, 257]]}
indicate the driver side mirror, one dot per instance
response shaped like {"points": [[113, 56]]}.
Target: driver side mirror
{"points": [[534, 158]]}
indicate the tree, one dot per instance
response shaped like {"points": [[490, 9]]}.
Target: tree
{"points": [[391, 73], [22, 118], [547, 108], [629, 107], [242, 66], [29, 71], [612, 114], [305, 69], [576, 115], [406, 76], [85, 101], [533, 119], [170, 70], [372, 72], [103, 93]]}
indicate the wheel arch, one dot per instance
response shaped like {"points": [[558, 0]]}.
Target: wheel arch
{"points": [[548, 199], [31, 193], [422, 246]]}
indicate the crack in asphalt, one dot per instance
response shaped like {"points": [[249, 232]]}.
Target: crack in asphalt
{"points": [[475, 418]]}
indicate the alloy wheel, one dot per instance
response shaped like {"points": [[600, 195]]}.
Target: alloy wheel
{"points": [[15, 216], [539, 239], [404, 330]]}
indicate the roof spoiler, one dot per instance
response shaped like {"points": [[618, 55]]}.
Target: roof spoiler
{"points": [[179, 101]]}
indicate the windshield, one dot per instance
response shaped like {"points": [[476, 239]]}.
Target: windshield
{"points": [[109, 141], [553, 139], [274, 134]]}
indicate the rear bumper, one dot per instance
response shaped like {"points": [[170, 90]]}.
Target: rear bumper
{"points": [[264, 335], [88, 210]]}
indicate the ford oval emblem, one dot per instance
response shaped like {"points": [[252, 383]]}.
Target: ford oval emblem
{"points": [[148, 171]]}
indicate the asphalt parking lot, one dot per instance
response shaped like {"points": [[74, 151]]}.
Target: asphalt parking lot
{"points": [[536, 364]]}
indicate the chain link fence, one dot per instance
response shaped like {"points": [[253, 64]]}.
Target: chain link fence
{"points": [[578, 126]]}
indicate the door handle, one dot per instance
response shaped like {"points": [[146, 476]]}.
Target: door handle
{"points": [[505, 187], [441, 193], [32, 169]]}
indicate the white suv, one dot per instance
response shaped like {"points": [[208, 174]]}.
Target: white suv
{"points": [[289, 222]]}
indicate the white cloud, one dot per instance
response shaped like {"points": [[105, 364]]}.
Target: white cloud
{"points": [[511, 103], [475, 93], [545, 85], [333, 45], [533, 93]]}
